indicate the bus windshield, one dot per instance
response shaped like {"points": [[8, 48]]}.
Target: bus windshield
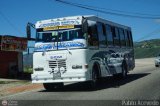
{"points": [[60, 36]]}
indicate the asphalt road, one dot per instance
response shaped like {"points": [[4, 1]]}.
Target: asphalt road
{"points": [[143, 83]]}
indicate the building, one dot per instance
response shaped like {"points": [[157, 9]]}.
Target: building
{"points": [[11, 55]]}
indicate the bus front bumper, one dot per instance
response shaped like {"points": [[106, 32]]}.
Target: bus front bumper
{"points": [[45, 78]]}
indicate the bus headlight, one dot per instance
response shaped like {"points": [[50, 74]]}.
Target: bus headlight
{"points": [[62, 69], [76, 66]]}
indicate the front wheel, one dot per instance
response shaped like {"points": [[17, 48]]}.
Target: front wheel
{"points": [[156, 65], [52, 86], [92, 84]]}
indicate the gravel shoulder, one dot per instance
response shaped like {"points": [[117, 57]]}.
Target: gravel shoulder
{"points": [[12, 86]]}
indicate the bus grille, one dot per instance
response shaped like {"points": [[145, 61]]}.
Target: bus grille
{"points": [[57, 63]]}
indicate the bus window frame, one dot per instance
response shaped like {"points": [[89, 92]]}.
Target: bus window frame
{"points": [[116, 36], [109, 35], [93, 34], [101, 35], [122, 37], [130, 40]]}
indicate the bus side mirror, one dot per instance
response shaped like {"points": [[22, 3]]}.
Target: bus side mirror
{"points": [[84, 25], [28, 31]]}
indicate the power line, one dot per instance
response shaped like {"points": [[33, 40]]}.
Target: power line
{"points": [[118, 13], [135, 13], [110, 11], [10, 23], [149, 35]]}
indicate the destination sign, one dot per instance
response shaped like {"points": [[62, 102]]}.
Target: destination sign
{"points": [[58, 27], [58, 23]]}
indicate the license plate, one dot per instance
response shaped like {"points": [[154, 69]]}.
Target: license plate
{"points": [[56, 75]]}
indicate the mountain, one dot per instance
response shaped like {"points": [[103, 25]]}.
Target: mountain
{"points": [[147, 48]]}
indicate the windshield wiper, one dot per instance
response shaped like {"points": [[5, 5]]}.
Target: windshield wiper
{"points": [[44, 52], [68, 50]]}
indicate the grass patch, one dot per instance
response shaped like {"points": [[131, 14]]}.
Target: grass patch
{"points": [[147, 48], [28, 69], [146, 52], [5, 82]]}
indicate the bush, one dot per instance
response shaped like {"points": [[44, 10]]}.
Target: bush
{"points": [[28, 69]]}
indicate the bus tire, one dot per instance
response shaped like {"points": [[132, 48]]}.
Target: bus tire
{"points": [[52, 86], [124, 71], [92, 84], [156, 65]]}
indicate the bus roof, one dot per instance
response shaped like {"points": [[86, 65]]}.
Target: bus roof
{"points": [[89, 17], [99, 19]]}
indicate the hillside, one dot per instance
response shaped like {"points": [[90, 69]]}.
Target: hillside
{"points": [[147, 48]]}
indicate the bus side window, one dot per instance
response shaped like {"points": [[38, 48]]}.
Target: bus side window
{"points": [[116, 36], [122, 37], [93, 36], [104, 29], [126, 38], [109, 37], [101, 35], [131, 39]]}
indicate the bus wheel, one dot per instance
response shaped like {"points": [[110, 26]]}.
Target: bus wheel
{"points": [[92, 84], [52, 86], [124, 71], [156, 65]]}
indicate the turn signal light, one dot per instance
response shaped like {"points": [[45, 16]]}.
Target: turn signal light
{"points": [[86, 66]]}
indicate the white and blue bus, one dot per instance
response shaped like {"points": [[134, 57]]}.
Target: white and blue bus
{"points": [[80, 48]]}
